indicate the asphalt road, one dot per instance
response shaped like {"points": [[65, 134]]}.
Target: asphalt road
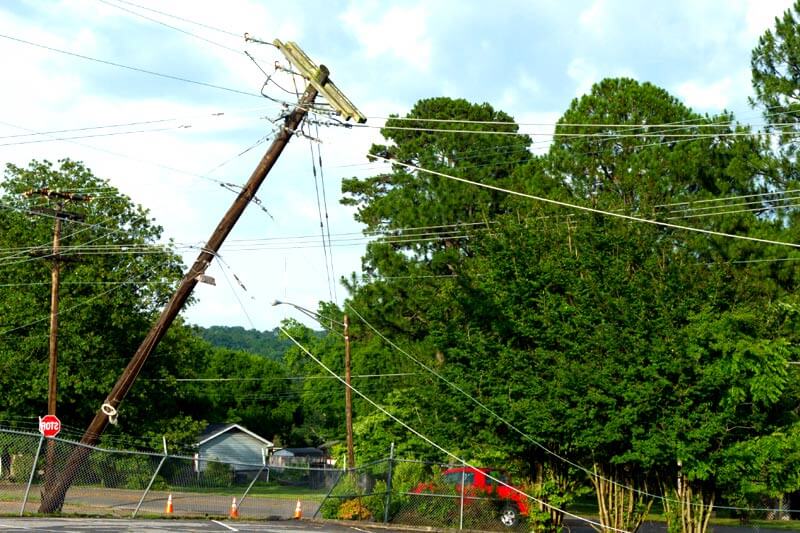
{"points": [[122, 502], [105, 525], [76, 525]]}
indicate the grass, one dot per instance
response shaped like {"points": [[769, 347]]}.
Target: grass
{"points": [[586, 506], [263, 490]]}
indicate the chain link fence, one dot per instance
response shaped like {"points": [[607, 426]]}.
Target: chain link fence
{"points": [[130, 484], [423, 494], [126, 483]]}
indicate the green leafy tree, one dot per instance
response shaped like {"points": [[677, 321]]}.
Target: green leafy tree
{"points": [[775, 67], [117, 277], [266, 343], [632, 146]]}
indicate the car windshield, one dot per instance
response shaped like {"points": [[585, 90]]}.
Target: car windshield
{"points": [[497, 475], [457, 478]]}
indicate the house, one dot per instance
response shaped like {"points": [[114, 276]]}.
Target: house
{"points": [[232, 444], [313, 457]]}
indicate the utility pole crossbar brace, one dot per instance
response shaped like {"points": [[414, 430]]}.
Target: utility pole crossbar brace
{"points": [[53, 500]]}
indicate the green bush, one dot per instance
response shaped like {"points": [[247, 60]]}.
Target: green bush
{"points": [[22, 464], [119, 471], [345, 489], [353, 510], [218, 474], [376, 502]]}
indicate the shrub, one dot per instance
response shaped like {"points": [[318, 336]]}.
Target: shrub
{"points": [[21, 466], [353, 510], [218, 474]]}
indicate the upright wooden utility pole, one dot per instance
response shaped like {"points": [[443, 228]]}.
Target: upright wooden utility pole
{"points": [[348, 396], [319, 83], [52, 382], [55, 278]]}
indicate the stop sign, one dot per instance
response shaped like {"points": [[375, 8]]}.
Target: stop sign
{"points": [[49, 425]]}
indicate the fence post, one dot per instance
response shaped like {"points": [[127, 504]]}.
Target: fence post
{"points": [[152, 479], [389, 485], [30, 479], [461, 507], [330, 491], [250, 486]]}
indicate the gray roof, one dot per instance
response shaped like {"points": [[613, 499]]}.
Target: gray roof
{"points": [[213, 431], [299, 452]]}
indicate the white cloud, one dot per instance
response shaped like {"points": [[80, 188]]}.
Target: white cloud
{"points": [[515, 99], [400, 32], [595, 19], [707, 96], [697, 46], [760, 16], [584, 74], [540, 125]]}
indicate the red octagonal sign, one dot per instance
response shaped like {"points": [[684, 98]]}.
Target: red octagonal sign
{"points": [[49, 425]]}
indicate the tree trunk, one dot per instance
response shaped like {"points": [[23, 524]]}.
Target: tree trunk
{"points": [[688, 507], [620, 503]]}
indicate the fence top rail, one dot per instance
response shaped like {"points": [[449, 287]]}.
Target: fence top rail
{"points": [[253, 466], [441, 464]]}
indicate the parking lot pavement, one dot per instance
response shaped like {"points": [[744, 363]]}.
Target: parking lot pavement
{"points": [[76, 525]]}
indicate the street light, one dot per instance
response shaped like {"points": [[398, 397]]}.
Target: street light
{"points": [[348, 399]]}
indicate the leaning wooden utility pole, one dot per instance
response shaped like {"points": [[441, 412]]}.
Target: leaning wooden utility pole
{"points": [[318, 84]]}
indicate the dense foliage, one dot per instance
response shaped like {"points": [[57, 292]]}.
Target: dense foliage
{"points": [[578, 345], [266, 343]]}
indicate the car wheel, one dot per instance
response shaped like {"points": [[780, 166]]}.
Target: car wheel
{"points": [[510, 516]]}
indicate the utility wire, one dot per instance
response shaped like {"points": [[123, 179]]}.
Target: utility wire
{"points": [[183, 19], [327, 218], [585, 208], [286, 378], [439, 447], [62, 311], [510, 425], [93, 135], [325, 246], [128, 67], [151, 19]]}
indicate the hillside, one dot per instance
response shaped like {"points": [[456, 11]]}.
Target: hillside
{"points": [[266, 343]]}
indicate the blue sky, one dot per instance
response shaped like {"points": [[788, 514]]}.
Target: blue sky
{"points": [[528, 58]]}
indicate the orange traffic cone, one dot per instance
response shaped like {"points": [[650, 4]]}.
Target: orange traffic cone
{"points": [[298, 511], [234, 514], [169, 508]]}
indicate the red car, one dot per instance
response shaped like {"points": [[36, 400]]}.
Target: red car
{"points": [[474, 482]]}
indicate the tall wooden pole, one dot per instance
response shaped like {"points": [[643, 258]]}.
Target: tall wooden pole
{"points": [[52, 382], [348, 396], [54, 499], [52, 375]]}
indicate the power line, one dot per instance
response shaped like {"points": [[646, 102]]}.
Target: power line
{"points": [[586, 208], [108, 134], [71, 130], [734, 211], [215, 114], [62, 311], [183, 19], [328, 270], [128, 67], [436, 445], [286, 378], [225, 185], [151, 19]]}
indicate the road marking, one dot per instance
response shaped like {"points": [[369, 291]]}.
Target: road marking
{"points": [[224, 525], [362, 530]]}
